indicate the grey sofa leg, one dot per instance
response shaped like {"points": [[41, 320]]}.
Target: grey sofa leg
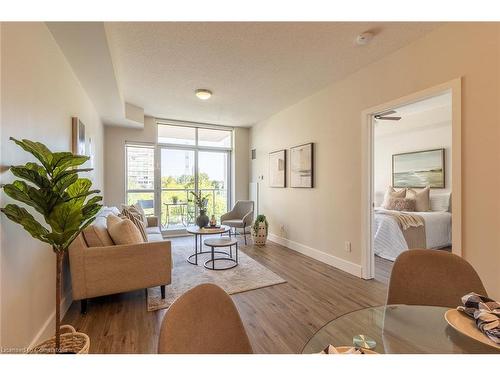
{"points": [[162, 288], [83, 306]]}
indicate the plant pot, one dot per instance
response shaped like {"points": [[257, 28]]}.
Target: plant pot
{"points": [[72, 342], [202, 220], [260, 236]]}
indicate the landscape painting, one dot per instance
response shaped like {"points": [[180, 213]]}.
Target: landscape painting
{"points": [[419, 169], [277, 168]]}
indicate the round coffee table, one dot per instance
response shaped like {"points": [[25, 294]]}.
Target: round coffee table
{"points": [[222, 242], [198, 236]]}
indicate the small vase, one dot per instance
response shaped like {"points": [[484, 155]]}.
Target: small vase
{"points": [[202, 220], [259, 236]]}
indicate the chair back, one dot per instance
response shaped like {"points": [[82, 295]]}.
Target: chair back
{"points": [[203, 320], [241, 208], [432, 278]]}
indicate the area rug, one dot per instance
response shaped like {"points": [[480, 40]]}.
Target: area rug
{"points": [[248, 275]]}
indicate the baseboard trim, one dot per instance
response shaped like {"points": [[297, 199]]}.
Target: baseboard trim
{"points": [[342, 264], [47, 328]]}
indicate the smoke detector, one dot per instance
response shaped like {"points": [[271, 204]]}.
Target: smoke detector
{"points": [[364, 38]]}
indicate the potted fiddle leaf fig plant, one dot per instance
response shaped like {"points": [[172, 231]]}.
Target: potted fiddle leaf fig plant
{"points": [[260, 230], [67, 204]]}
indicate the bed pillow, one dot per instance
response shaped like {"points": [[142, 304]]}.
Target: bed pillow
{"points": [[391, 193], [422, 201], [440, 202], [401, 204], [123, 231]]}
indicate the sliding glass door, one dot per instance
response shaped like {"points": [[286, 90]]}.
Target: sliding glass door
{"points": [[192, 160]]}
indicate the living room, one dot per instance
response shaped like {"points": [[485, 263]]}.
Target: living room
{"points": [[224, 171]]}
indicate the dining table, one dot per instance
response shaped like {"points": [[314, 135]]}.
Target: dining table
{"points": [[397, 329]]}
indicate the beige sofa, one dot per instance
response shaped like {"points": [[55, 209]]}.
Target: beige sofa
{"points": [[109, 269]]}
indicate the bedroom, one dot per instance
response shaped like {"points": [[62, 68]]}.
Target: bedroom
{"points": [[412, 179]]}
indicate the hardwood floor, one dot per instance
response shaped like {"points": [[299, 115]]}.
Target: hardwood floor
{"points": [[278, 319]]}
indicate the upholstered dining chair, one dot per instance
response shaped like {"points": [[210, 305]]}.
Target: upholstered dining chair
{"points": [[204, 320], [241, 216], [432, 278]]}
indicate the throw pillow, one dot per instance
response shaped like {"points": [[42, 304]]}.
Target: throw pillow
{"points": [[391, 193], [422, 200], [123, 231], [137, 220], [137, 210], [96, 234], [401, 204]]}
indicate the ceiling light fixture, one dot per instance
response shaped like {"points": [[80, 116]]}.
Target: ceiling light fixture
{"points": [[203, 94], [364, 38]]}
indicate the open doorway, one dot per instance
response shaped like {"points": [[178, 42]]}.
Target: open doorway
{"points": [[412, 180], [412, 177]]}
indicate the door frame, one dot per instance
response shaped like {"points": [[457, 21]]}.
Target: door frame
{"points": [[453, 86]]}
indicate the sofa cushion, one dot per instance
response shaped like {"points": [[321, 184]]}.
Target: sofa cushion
{"points": [[155, 237], [123, 231], [96, 234], [153, 230]]}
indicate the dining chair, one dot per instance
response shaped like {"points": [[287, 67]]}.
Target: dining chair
{"points": [[204, 320], [241, 216], [432, 278]]}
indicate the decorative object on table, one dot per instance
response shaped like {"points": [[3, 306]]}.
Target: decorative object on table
{"points": [[213, 221], [330, 349], [175, 199], [302, 166], [363, 341], [64, 200], [478, 318], [201, 202], [240, 216], [419, 169], [277, 169], [78, 136], [260, 229], [463, 324]]}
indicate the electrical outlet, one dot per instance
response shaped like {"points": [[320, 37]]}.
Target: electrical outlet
{"points": [[347, 246]]}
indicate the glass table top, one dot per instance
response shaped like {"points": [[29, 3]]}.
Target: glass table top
{"points": [[397, 329]]}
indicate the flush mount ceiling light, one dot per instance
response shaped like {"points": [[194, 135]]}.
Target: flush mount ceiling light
{"points": [[203, 94], [364, 38]]}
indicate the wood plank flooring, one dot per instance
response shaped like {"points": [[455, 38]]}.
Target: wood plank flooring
{"points": [[278, 319]]}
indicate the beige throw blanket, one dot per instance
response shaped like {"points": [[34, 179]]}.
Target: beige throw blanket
{"points": [[412, 226]]}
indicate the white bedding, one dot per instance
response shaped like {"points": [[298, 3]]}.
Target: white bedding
{"points": [[389, 241]]}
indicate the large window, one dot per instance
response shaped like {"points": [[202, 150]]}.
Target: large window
{"points": [[192, 159], [140, 176]]}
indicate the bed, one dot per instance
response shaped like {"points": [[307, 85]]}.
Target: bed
{"points": [[389, 241]]}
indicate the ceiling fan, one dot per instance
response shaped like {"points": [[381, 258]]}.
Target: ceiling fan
{"points": [[384, 116]]}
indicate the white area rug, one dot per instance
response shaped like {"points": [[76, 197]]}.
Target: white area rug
{"points": [[248, 275]]}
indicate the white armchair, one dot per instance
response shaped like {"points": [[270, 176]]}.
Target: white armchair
{"points": [[241, 216]]}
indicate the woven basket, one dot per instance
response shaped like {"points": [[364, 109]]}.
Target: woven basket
{"points": [[71, 342]]}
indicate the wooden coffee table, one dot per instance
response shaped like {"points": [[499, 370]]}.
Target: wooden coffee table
{"points": [[198, 238]]}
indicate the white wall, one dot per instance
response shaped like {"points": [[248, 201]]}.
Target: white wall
{"points": [[317, 221], [116, 137], [422, 131], [39, 95]]}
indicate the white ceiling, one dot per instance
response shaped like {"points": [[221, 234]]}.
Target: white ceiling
{"points": [[253, 69]]}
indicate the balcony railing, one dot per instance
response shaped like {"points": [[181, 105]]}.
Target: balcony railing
{"points": [[177, 210]]}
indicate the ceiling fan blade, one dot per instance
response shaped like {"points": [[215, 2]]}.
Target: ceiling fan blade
{"points": [[395, 118]]}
